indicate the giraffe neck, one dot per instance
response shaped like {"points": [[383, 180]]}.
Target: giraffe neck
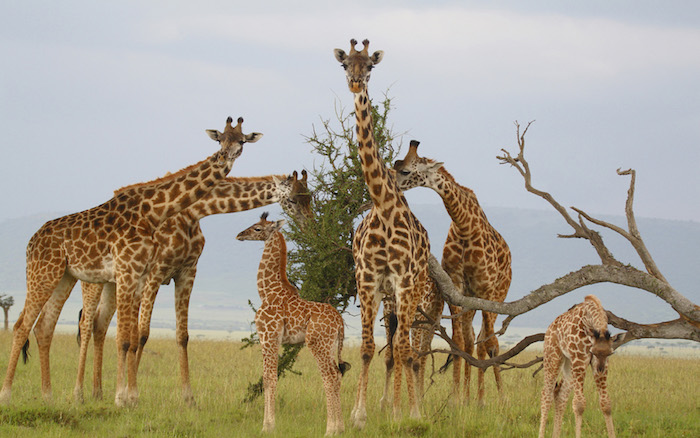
{"points": [[380, 183], [158, 200], [272, 272], [232, 195], [461, 204]]}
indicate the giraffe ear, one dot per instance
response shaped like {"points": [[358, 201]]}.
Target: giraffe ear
{"points": [[340, 55], [436, 166], [279, 224], [214, 134], [377, 57], [253, 137]]}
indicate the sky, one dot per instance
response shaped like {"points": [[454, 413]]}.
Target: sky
{"points": [[95, 95]]}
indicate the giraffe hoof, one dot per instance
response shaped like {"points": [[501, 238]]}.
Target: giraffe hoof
{"points": [[78, 395], [5, 397], [359, 419]]}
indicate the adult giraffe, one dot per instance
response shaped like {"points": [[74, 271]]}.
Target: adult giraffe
{"points": [[390, 247], [180, 243], [110, 243], [475, 256]]}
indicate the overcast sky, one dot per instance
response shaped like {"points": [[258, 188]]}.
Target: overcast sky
{"points": [[95, 96]]}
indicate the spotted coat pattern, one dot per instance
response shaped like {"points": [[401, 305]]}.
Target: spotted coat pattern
{"points": [[110, 243], [180, 243], [574, 340], [390, 247], [475, 256], [285, 318]]}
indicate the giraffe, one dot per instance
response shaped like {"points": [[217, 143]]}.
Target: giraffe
{"points": [[475, 256], [284, 317], [110, 243], [390, 247], [576, 338], [180, 242]]}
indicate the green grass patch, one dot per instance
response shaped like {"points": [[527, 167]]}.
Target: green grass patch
{"points": [[652, 397]]}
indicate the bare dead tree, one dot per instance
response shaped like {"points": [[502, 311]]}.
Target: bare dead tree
{"points": [[610, 270]]}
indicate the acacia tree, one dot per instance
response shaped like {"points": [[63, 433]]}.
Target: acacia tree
{"points": [[6, 302], [651, 280], [320, 261]]}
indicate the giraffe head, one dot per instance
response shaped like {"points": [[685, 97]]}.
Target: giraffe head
{"points": [[262, 230], [301, 196], [358, 64], [293, 196], [602, 348], [233, 138], [414, 171]]}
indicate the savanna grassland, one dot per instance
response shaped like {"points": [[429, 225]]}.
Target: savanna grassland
{"points": [[652, 397]]}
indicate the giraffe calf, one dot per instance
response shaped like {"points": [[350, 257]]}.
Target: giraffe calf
{"points": [[285, 318], [574, 340]]}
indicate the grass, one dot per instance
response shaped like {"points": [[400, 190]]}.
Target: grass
{"points": [[652, 397]]}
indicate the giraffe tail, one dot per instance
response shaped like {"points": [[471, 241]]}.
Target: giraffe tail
{"points": [[343, 366], [80, 317], [25, 352], [25, 347]]}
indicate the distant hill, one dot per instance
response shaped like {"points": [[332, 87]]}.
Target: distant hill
{"points": [[227, 269]]}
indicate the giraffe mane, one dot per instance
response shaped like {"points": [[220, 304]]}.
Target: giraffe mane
{"points": [[167, 177], [449, 177]]}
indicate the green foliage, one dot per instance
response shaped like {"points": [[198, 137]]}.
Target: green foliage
{"points": [[321, 260]]}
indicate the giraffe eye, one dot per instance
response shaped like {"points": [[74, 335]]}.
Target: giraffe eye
{"points": [[405, 172]]}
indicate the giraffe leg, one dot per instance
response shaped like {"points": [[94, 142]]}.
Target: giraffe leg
{"points": [[369, 304], [269, 334], [321, 346], [458, 338], [148, 297], [103, 316], [42, 280], [561, 395], [91, 298], [403, 353], [468, 333], [132, 392], [578, 375], [432, 304], [489, 348], [183, 290], [604, 399], [485, 348], [44, 329], [127, 285], [390, 326], [551, 364]]}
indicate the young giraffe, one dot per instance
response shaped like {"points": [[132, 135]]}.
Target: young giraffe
{"points": [[475, 256], [573, 340], [180, 242], [109, 243], [390, 246], [284, 317]]}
